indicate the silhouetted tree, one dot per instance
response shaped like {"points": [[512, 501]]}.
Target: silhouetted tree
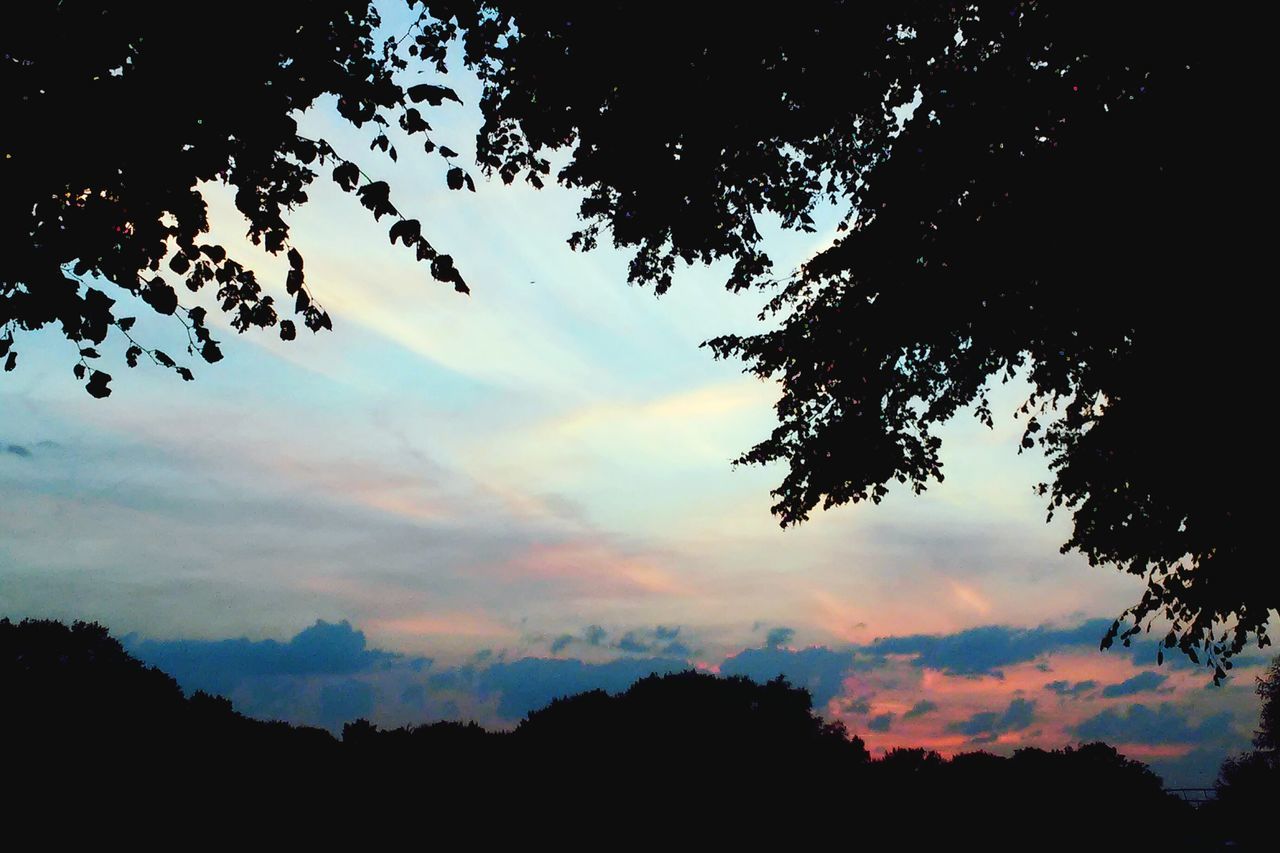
{"points": [[1267, 737], [1061, 190], [92, 737], [1248, 785], [118, 113]]}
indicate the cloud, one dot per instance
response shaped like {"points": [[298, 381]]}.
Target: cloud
{"points": [[924, 706], [662, 632], [345, 701], [527, 684], [594, 635], [677, 649], [1140, 683], [985, 726], [18, 450], [982, 651], [1141, 724], [560, 643], [779, 637], [1073, 691], [880, 722], [631, 643], [218, 666], [414, 694], [818, 669]]}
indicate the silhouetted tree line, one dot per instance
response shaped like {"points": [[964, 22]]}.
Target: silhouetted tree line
{"points": [[89, 730]]}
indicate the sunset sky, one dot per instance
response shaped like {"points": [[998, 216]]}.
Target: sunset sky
{"points": [[460, 507]]}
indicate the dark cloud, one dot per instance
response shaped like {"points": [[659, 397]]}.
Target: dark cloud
{"points": [[414, 694], [632, 644], [1199, 767], [345, 701], [594, 635], [982, 651], [527, 684], [218, 666], [18, 450], [860, 706], [779, 637], [985, 726], [880, 722], [1140, 683], [662, 632], [561, 643], [924, 706], [1073, 691], [677, 649], [1140, 724], [818, 669]]}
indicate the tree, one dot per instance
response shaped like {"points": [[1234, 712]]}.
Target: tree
{"points": [[1248, 784], [117, 115], [1267, 738], [1061, 190], [1057, 190]]}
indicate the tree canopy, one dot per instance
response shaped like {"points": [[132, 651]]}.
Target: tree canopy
{"points": [[123, 112], [1060, 191], [89, 730], [1056, 190]]}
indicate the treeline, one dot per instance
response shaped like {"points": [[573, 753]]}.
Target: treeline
{"points": [[89, 730]]}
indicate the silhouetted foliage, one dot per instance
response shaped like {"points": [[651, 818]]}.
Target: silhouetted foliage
{"points": [[1249, 785], [120, 111], [1067, 195], [1267, 738], [1047, 188], [688, 755]]}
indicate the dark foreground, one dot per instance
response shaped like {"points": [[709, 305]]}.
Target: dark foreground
{"points": [[99, 746]]}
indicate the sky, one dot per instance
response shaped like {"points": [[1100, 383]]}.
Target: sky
{"points": [[459, 507]]}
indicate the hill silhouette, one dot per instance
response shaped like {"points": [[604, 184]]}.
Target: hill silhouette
{"points": [[690, 757]]}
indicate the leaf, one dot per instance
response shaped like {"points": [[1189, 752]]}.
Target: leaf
{"points": [[210, 352], [163, 359], [346, 175], [442, 269], [160, 296], [413, 122], [79, 371], [126, 323], [295, 259], [304, 150], [406, 230], [288, 331], [186, 374], [434, 95], [447, 152], [454, 177], [376, 197], [97, 386], [131, 355], [12, 361]]}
